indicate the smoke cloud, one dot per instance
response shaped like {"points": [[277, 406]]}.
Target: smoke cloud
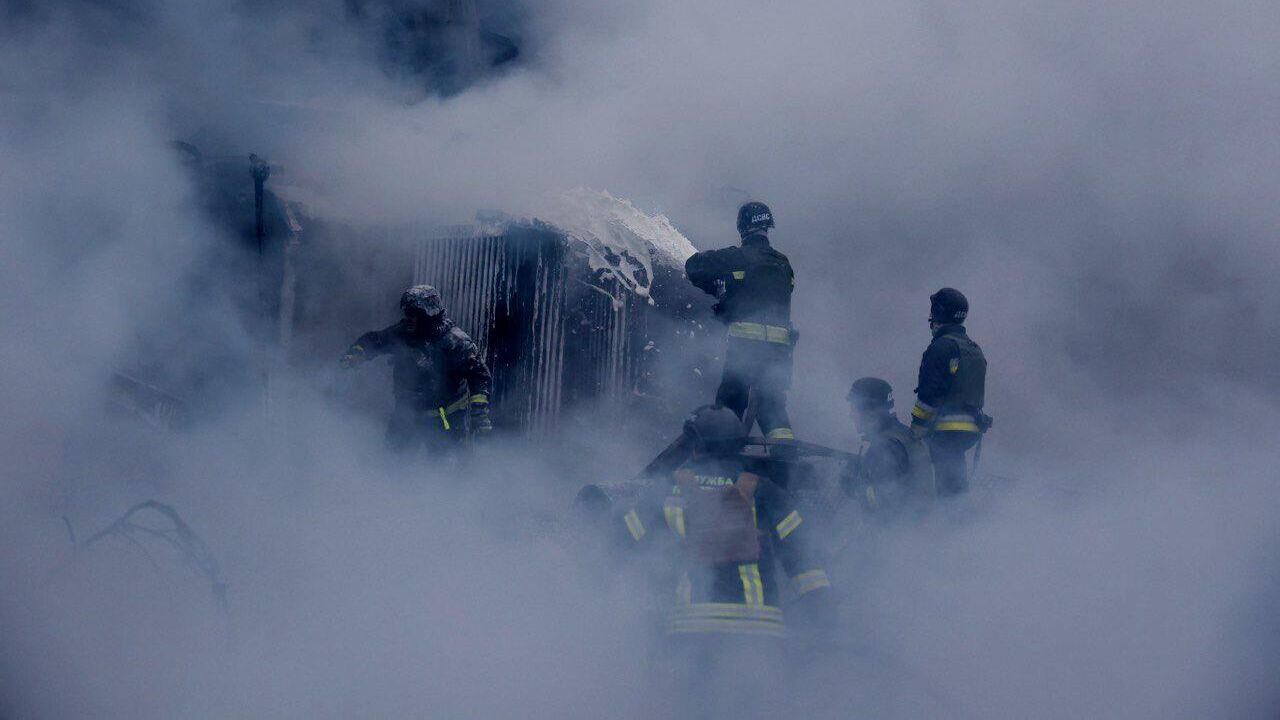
{"points": [[1099, 179]]}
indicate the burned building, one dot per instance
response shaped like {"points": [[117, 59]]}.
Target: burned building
{"points": [[584, 315], [591, 313]]}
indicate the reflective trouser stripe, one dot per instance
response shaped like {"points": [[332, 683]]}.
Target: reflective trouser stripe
{"points": [[761, 332], [730, 610], [781, 434], [807, 582], [479, 399], [675, 518], [752, 587], [727, 617], [634, 526], [789, 524], [444, 419], [735, 626]]}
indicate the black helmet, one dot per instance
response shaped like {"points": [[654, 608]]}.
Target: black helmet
{"points": [[871, 393], [754, 216], [715, 429], [422, 300], [948, 306]]}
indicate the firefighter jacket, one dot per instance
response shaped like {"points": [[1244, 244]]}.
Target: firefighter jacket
{"points": [[444, 370], [895, 466], [952, 383], [727, 531], [753, 284]]}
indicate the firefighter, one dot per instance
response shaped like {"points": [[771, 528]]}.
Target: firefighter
{"points": [[724, 527], [753, 285], [895, 468], [440, 380], [950, 391]]}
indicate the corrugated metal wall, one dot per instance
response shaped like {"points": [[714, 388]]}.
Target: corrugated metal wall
{"points": [[470, 272], [552, 332]]}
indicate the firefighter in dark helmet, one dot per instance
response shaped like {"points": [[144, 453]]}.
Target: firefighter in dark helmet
{"points": [[895, 469], [950, 391], [722, 528], [440, 380], [753, 285]]}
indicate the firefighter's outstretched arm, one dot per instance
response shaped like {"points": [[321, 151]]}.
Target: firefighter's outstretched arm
{"points": [[367, 346], [706, 268]]}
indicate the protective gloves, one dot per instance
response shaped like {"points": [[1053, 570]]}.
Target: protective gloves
{"points": [[354, 356], [479, 414]]}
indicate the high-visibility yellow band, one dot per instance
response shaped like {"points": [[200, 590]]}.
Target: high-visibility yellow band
{"points": [[739, 274], [444, 419], [789, 524], [752, 587], [747, 594], [747, 331], [807, 582], [956, 426], [736, 627], [634, 526], [479, 399], [922, 411], [357, 349], [675, 518], [781, 434], [727, 617], [757, 331], [457, 405], [730, 610]]}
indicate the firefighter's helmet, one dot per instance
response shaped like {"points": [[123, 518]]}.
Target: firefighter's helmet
{"points": [[716, 430], [753, 217]]}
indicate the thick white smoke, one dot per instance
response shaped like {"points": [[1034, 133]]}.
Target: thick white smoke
{"points": [[1098, 178]]}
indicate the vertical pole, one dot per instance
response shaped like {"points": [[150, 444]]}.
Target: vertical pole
{"points": [[260, 171]]}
